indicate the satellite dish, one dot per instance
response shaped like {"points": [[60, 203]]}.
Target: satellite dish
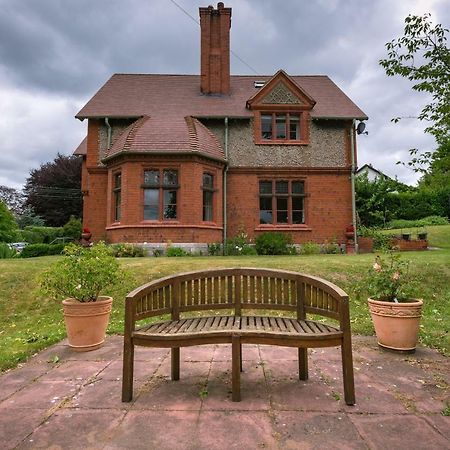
{"points": [[361, 127]]}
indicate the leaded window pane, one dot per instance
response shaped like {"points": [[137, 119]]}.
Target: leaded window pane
{"points": [[170, 204], [294, 126], [151, 204], [207, 206], [207, 181], [298, 187], [265, 187], [170, 177], [281, 187], [151, 177], [280, 121], [266, 126]]}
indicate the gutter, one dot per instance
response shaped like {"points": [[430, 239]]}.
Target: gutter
{"points": [[225, 223], [352, 178], [109, 132]]}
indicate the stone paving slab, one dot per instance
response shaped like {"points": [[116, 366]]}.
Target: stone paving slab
{"points": [[62, 399]]}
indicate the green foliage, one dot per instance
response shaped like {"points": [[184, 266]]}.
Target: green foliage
{"points": [[28, 218], [177, 251], [389, 279], [381, 241], [73, 228], [274, 243], [127, 250], [215, 249], [310, 248], [83, 273], [157, 252], [421, 55], [8, 225], [330, 248], [7, 252], [239, 245], [372, 200], [34, 250], [426, 221], [40, 235]]}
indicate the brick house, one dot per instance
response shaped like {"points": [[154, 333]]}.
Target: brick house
{"points": [[195, 158]]}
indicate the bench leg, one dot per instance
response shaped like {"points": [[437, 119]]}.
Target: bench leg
{"points": [[127, 374], [235, 368], [347, 370], [303, 363], [240, 357], [175, 363]]}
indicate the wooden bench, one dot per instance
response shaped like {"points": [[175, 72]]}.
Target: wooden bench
{"points": [[238, 291]]}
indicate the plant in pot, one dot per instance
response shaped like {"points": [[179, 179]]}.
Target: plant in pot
{"points": [[395, 311], [80, 277]]}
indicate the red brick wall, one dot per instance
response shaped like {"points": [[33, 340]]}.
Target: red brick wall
{"points": [[328, 204], [189, 225]]}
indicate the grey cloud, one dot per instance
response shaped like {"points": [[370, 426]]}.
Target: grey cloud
{"points": [[65, 49]]}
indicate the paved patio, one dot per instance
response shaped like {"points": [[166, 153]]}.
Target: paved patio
{"points": [[74, 403]]}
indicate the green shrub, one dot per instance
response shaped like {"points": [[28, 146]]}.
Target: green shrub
{"points": [[426, 221], [331, 248], [157, 252], [41, 235], [7, 252], [274, 243], [33, 250], [83, 273], [215, 249], [239, 245], [309, 248], [73, 228], [8, 225], [177, 251], [127, 251], [381, 241]]}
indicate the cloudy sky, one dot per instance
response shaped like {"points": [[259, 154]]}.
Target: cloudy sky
{"points": [[55, 54]]}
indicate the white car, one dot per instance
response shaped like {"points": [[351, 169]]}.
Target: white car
{"points": [[18, 246]]}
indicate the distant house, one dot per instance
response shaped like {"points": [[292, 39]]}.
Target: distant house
{"points": [[372, 173], [196, 158]]}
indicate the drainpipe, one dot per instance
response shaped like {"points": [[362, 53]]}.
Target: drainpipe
{"points": [[109, 132], [225, 186], [352, 177]]}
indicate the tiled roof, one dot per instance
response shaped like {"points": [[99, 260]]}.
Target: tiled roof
{"points": [[170, 96], [160, 135], [82, 148]]}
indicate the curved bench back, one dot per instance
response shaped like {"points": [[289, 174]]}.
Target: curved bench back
{"points": [[237, 289]]}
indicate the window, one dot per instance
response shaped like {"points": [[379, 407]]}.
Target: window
{"points": [[160, 194], [208, 192], [117, 196], [281, 202], [280, 127]]}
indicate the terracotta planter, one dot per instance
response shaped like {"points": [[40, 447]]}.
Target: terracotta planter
{"points": [[396, 324], [365, 244], [86, 323]]}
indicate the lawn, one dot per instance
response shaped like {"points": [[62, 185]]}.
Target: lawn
{"points": [[438, 235], [30, 322]]}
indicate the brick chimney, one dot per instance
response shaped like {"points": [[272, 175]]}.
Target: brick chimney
{"points": [[215, 27]]}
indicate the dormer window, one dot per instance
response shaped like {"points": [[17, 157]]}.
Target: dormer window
{"points": [[281, 112], [280, 126]]}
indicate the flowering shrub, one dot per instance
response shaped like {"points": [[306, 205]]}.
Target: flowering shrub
{"points": [[239, 245], [83, 273], [389, 279]]}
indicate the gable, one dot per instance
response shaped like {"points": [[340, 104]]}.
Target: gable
{"points": [[281, 94], [282, 90]]}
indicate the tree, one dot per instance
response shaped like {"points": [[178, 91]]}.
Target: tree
{"points": [[8, 226], [371, 200], [12, 198], [422, 56], [54, 190]]}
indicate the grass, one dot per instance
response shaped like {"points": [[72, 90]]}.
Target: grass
{"points": [[30, 322], [438, 235]]}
